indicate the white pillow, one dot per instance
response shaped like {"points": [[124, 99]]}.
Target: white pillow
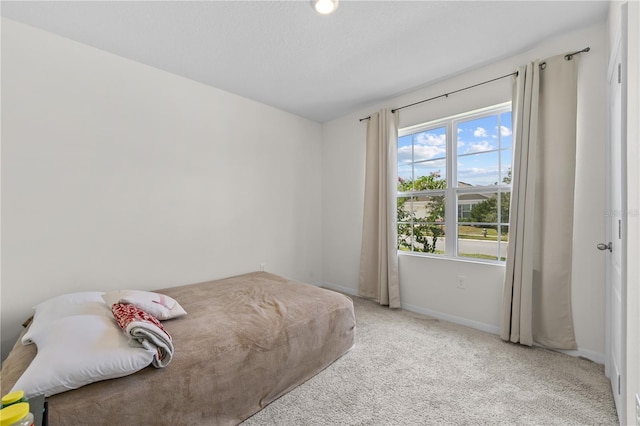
{"points": [[78, 343], [155, 304], [81, 303]]}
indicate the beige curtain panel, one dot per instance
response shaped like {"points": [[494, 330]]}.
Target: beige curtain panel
{"points": [[379, 256], [537, 291]]}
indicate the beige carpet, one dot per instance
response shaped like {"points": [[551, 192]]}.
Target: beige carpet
{"points": [[408, 369]]}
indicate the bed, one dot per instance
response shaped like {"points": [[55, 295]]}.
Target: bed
{"points": [[245, 341]]}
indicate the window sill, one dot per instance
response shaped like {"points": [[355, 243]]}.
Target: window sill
{"points": [[441, 257]]}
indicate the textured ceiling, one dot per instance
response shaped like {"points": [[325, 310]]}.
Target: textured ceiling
{"points": [[283, 54]]}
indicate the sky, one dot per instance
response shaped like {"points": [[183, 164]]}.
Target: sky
{"points": [[483, 151]]}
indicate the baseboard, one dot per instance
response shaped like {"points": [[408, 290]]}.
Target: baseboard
{"points": [[347, 290], [452, 318], [596, 357]]}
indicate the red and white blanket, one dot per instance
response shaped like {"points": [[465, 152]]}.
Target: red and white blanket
{"points": [[145, 331]]}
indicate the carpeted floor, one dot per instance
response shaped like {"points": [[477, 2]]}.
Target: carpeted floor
{"points": [[409, 369]]}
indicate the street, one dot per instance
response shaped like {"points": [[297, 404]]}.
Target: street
{"points": [[489, 248]]}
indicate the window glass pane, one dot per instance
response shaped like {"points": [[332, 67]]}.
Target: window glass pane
{"points": [[405, 151], [421, 223], [478, 135], [423, 238], [404, 209], [429, 209], [430, 175], [405, 227], [429, 238], [478, 207], [430, 144], [482, 234], [506, 136], [479, 245], [405, 237], [478, 169]]}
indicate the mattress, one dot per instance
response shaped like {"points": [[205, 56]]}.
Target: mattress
{"points": [[246, 341]]}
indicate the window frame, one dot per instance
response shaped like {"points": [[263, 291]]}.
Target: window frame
{"points": [[452, 190]]}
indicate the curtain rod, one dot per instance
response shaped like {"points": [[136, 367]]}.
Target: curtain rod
{"points": [[456, 91], [447, 94], [568, 57]]}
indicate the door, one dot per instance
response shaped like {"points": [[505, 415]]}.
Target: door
{"points": [[615, 366]]}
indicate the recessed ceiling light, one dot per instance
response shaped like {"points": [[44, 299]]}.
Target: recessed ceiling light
{"points": [[324, 7]]}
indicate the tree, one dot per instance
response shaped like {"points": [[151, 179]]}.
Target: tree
{"points": [[485, 211], [426, 229]]}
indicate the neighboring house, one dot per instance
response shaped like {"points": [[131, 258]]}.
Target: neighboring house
{"points": [[467, 201]]}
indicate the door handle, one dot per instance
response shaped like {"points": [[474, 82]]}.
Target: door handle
{"points": [[603, 246]]}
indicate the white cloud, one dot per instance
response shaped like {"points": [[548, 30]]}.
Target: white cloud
{"points": [[478, 175], [480, 133], [505, 131], [431, 139], [422, 152], [427, 146], [479, 147]]}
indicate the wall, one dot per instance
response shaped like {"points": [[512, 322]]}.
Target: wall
{"points": [[119, 175], [428, 284]]}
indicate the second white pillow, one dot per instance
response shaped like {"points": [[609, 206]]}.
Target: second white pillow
{"points": [[155, 304]]}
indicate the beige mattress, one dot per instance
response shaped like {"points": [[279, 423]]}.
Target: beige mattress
{"points": [[246, 341]]}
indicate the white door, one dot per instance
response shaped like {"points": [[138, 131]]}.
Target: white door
{"points": [[615, 246]]}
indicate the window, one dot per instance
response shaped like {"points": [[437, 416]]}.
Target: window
{"points": [[454, 185]]}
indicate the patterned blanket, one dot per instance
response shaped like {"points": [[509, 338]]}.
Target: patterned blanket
{"points": [[144, 331]]}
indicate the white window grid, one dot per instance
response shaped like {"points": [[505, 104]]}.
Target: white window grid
{"points": [[452, 191]]}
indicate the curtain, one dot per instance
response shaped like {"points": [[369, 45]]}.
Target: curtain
{"points": [[378, 278], [537, 290]]}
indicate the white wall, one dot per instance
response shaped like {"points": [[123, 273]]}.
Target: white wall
{"points": [[429, 284], [119, 175], [115, 174]]}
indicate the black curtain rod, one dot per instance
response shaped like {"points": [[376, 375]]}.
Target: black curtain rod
{"points": [[447, 94], [568, 57], [456, 91]]}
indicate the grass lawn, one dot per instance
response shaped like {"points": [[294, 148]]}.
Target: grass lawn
{"points": [[481, 256], [469, 232]]}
